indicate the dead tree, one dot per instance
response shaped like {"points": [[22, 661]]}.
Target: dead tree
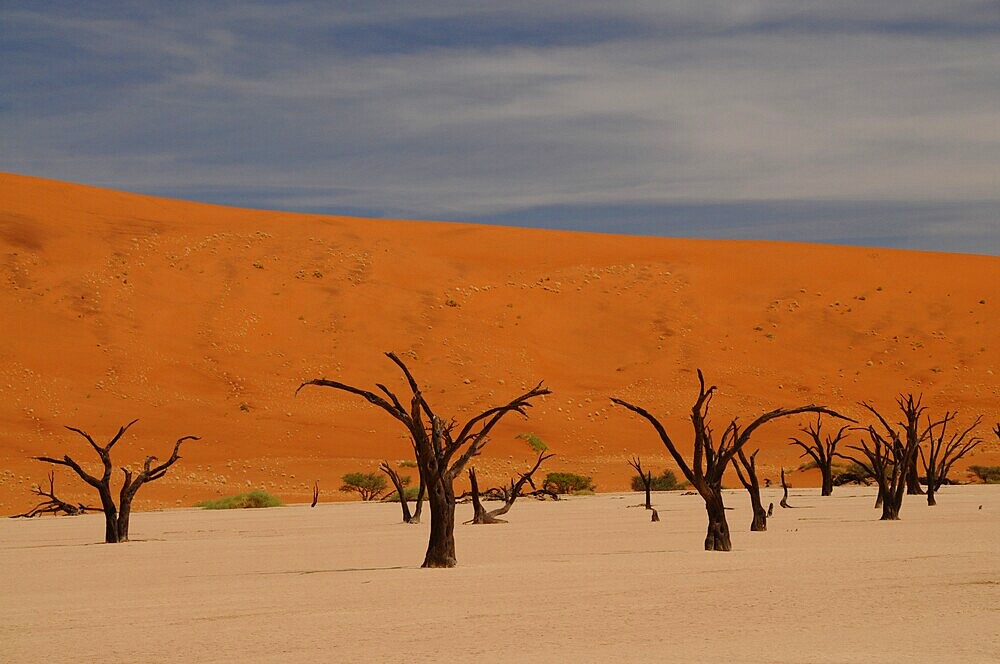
{"points": [[748, 478], [709, 462], [400, 485], [887, 455], [442, 449], [116, 517], [942, 455], [53, 504], [784, 492], [822, 451], [646, 477], [480, 515], [315, 494]]}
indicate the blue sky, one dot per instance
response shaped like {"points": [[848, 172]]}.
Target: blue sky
{"points": [[856, 122]]}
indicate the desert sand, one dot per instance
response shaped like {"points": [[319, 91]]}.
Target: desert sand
{"points": [[202, 320], [586, 579]]}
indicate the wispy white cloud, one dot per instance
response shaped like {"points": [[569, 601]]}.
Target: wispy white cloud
{"points": [[491, 110]]}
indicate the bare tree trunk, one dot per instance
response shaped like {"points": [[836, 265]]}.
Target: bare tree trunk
{"points": [[759, 523], [315, 494], [930, 494], [827, 473], [880, 498], [717, 538], [784, 495], [649, 484], [913, 480], [890, 511], [441, 545]]}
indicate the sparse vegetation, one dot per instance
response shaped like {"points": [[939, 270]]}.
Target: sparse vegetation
{"points": [[370, 486], [986, 474], [667, 481], [537, 444], [249, 500], [562, 483]]}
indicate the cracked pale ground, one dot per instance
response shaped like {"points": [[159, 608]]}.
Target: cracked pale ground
{"points": [[587, 579]]}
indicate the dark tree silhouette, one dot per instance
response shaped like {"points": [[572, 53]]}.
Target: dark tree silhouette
{"points": [[116, 517], [646, 477], [784, 492], [442, 449], [315, 494], [400, 487], [942, 455], [822, 450], [748, 478], [708, 461], [888, 454], [480, 515], [52, 504]]}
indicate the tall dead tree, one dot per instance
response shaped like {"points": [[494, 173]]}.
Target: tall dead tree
{"points": [[708, 461], [116, 517], [400, 485], [442, 449], [888, 454], [646, 477], [481, 515], [821, 450], [748, 478], [53, 504], [942, 455]]}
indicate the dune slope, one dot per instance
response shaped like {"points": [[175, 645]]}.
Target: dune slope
{"points": [[203, 320]]}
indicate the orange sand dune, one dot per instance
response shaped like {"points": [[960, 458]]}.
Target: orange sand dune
{"points": [[203, 320]]}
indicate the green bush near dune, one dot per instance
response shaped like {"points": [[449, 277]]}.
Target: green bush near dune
{"points": [[251, 499], [986, 474]]}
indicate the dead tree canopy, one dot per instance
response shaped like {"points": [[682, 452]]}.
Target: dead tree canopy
{"points": [[709, 461], [822, 450], [943, 451], [116, 517], [888, 454], [52, 504], [646, 477], [481, 515], [442, 448]]}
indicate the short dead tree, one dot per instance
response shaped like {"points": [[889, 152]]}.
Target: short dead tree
{"points": [[52, 504], [646, 477], [888, 454], [822, 450], [315, 494], [481, 515], [748, 478], [442, 449], [400, 485], [784, 492], [941, 455], [116, 517], [709, 462]]}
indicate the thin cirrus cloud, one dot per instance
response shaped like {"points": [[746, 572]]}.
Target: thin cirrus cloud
{"points": [[856, 122]]}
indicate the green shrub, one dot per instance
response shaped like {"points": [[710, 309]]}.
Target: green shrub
{"points": [[567, 483], [406, 463], [536, 443], [251, 499], [665, 482], [986, 474], [370, 486]]}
